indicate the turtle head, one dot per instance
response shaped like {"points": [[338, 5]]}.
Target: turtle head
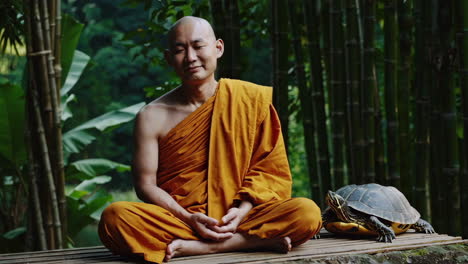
{"points": [[339, 205]]}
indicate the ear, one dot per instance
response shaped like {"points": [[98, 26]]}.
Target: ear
{"points": [[219, 48], [168, 57]]}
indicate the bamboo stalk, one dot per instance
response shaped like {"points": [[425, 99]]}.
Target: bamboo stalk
{"points": [[57, 48], [337, 86], [431, 80], [52, 7], [219, 23], [462, 8], [421, 113], [234, 32], [57, 167], [280, 64], [354, 86], [32, 166], [48, 170], [391, 94], [369, 88], [58, 164], [404, 87], [311, 16], [307, 111], [326, 51], [46, 101], [451, 169]]}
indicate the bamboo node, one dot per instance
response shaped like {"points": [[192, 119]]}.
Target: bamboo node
{"points": [[39, 53]]}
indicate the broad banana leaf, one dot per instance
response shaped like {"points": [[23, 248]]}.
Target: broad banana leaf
{"points": [[12, 120], [77, 138], [90, 168]]}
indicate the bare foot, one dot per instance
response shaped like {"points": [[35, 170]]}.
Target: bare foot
{"points": [[280, 245], [180, 247]]}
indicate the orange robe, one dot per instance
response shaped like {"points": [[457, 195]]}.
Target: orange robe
{"points": [[229, 149]]}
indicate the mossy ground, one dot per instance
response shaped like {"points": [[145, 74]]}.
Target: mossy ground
{"points": [[447, 254]]}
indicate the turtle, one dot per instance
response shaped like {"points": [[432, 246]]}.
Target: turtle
{"points": [[371, 209]]}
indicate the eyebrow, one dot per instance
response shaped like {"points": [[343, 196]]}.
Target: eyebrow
{"points": [[191, 42]]}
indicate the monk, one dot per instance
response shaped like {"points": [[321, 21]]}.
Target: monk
{"points": [[209, 164]]}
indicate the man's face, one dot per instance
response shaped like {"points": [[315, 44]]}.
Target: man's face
{"points": [[194, 51]]}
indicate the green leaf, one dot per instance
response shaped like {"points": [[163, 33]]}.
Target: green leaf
{"points": [[93, 167], [12, 121], [90, 185], [76, 195], [75, 141], [79, 62], [14, 233], [110, 119], [71, 31], [66, 112], [96, 203]]}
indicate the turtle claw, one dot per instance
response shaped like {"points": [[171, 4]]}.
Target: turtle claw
{"points": [[423, 226], [387, 238], [430, 231], [317, 236]]}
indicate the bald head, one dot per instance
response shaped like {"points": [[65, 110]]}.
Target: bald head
{"points": [[193, 50], [191, 22]]}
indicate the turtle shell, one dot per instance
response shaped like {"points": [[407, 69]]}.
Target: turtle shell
{"points": [[385, 202]]}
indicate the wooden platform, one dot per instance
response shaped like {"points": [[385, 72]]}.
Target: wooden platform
{"points": [[329, 246]]}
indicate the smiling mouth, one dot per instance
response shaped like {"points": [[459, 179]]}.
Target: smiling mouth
{"points": [[193, 68]]}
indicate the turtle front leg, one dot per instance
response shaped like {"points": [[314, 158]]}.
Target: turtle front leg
{"points": [[423, 226], [386, 233]]}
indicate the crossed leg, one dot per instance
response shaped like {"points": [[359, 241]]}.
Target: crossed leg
{"points": [[128, 228], [238, 242], [274, 226]]}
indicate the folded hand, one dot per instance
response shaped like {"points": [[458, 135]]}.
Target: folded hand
{"points": [[207, 227]]}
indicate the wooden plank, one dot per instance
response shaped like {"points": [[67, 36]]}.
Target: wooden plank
{"points": [[327, 246], [315, 249]]}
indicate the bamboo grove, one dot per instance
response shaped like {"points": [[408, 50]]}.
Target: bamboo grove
{"points": [[44, 134], [396, 118]]}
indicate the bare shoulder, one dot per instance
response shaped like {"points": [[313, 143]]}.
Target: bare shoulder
{"points": [[152, 119]]}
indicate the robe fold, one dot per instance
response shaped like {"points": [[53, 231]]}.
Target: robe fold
{"points": [[228, 150]]}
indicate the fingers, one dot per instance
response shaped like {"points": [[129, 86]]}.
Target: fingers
{"points": [[206, 220], [231, 227], [231, 215], [207, 228], [212, 235]]}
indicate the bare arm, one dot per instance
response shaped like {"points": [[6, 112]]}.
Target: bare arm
{"points": [[145, 163], [145, 166]]}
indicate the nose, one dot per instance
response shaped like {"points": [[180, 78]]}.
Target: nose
{"points": [[191, 55]]}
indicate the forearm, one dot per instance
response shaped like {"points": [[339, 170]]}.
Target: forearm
{"points": [[244, 208], [151, 193]]}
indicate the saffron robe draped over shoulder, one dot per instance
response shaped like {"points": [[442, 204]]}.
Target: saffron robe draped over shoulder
{"points": [[229, 149]]}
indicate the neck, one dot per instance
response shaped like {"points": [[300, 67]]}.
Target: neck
{"points": [[198, 93]]}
